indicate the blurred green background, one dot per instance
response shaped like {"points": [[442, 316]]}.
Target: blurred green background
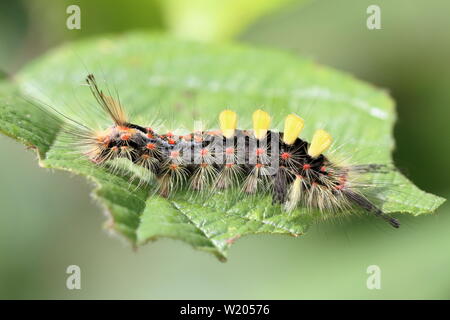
{"points": [[48, 220]]}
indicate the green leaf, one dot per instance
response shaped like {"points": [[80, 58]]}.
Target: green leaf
{"points": [[163, 78]]}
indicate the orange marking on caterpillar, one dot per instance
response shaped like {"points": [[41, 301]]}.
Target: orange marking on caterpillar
{"points": [[125, 137], [260, 151], [286, 155], [229, 150], [214, 133], [174, 154], [124, 128], [150, 146]]}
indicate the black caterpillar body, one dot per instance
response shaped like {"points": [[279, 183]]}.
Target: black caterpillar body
{"points": [[293, 171]]}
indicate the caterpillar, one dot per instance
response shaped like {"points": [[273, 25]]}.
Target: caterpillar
{"points": [[296, 173]]}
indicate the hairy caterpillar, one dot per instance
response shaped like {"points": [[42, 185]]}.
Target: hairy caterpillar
{"points": [[294, 171]]}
